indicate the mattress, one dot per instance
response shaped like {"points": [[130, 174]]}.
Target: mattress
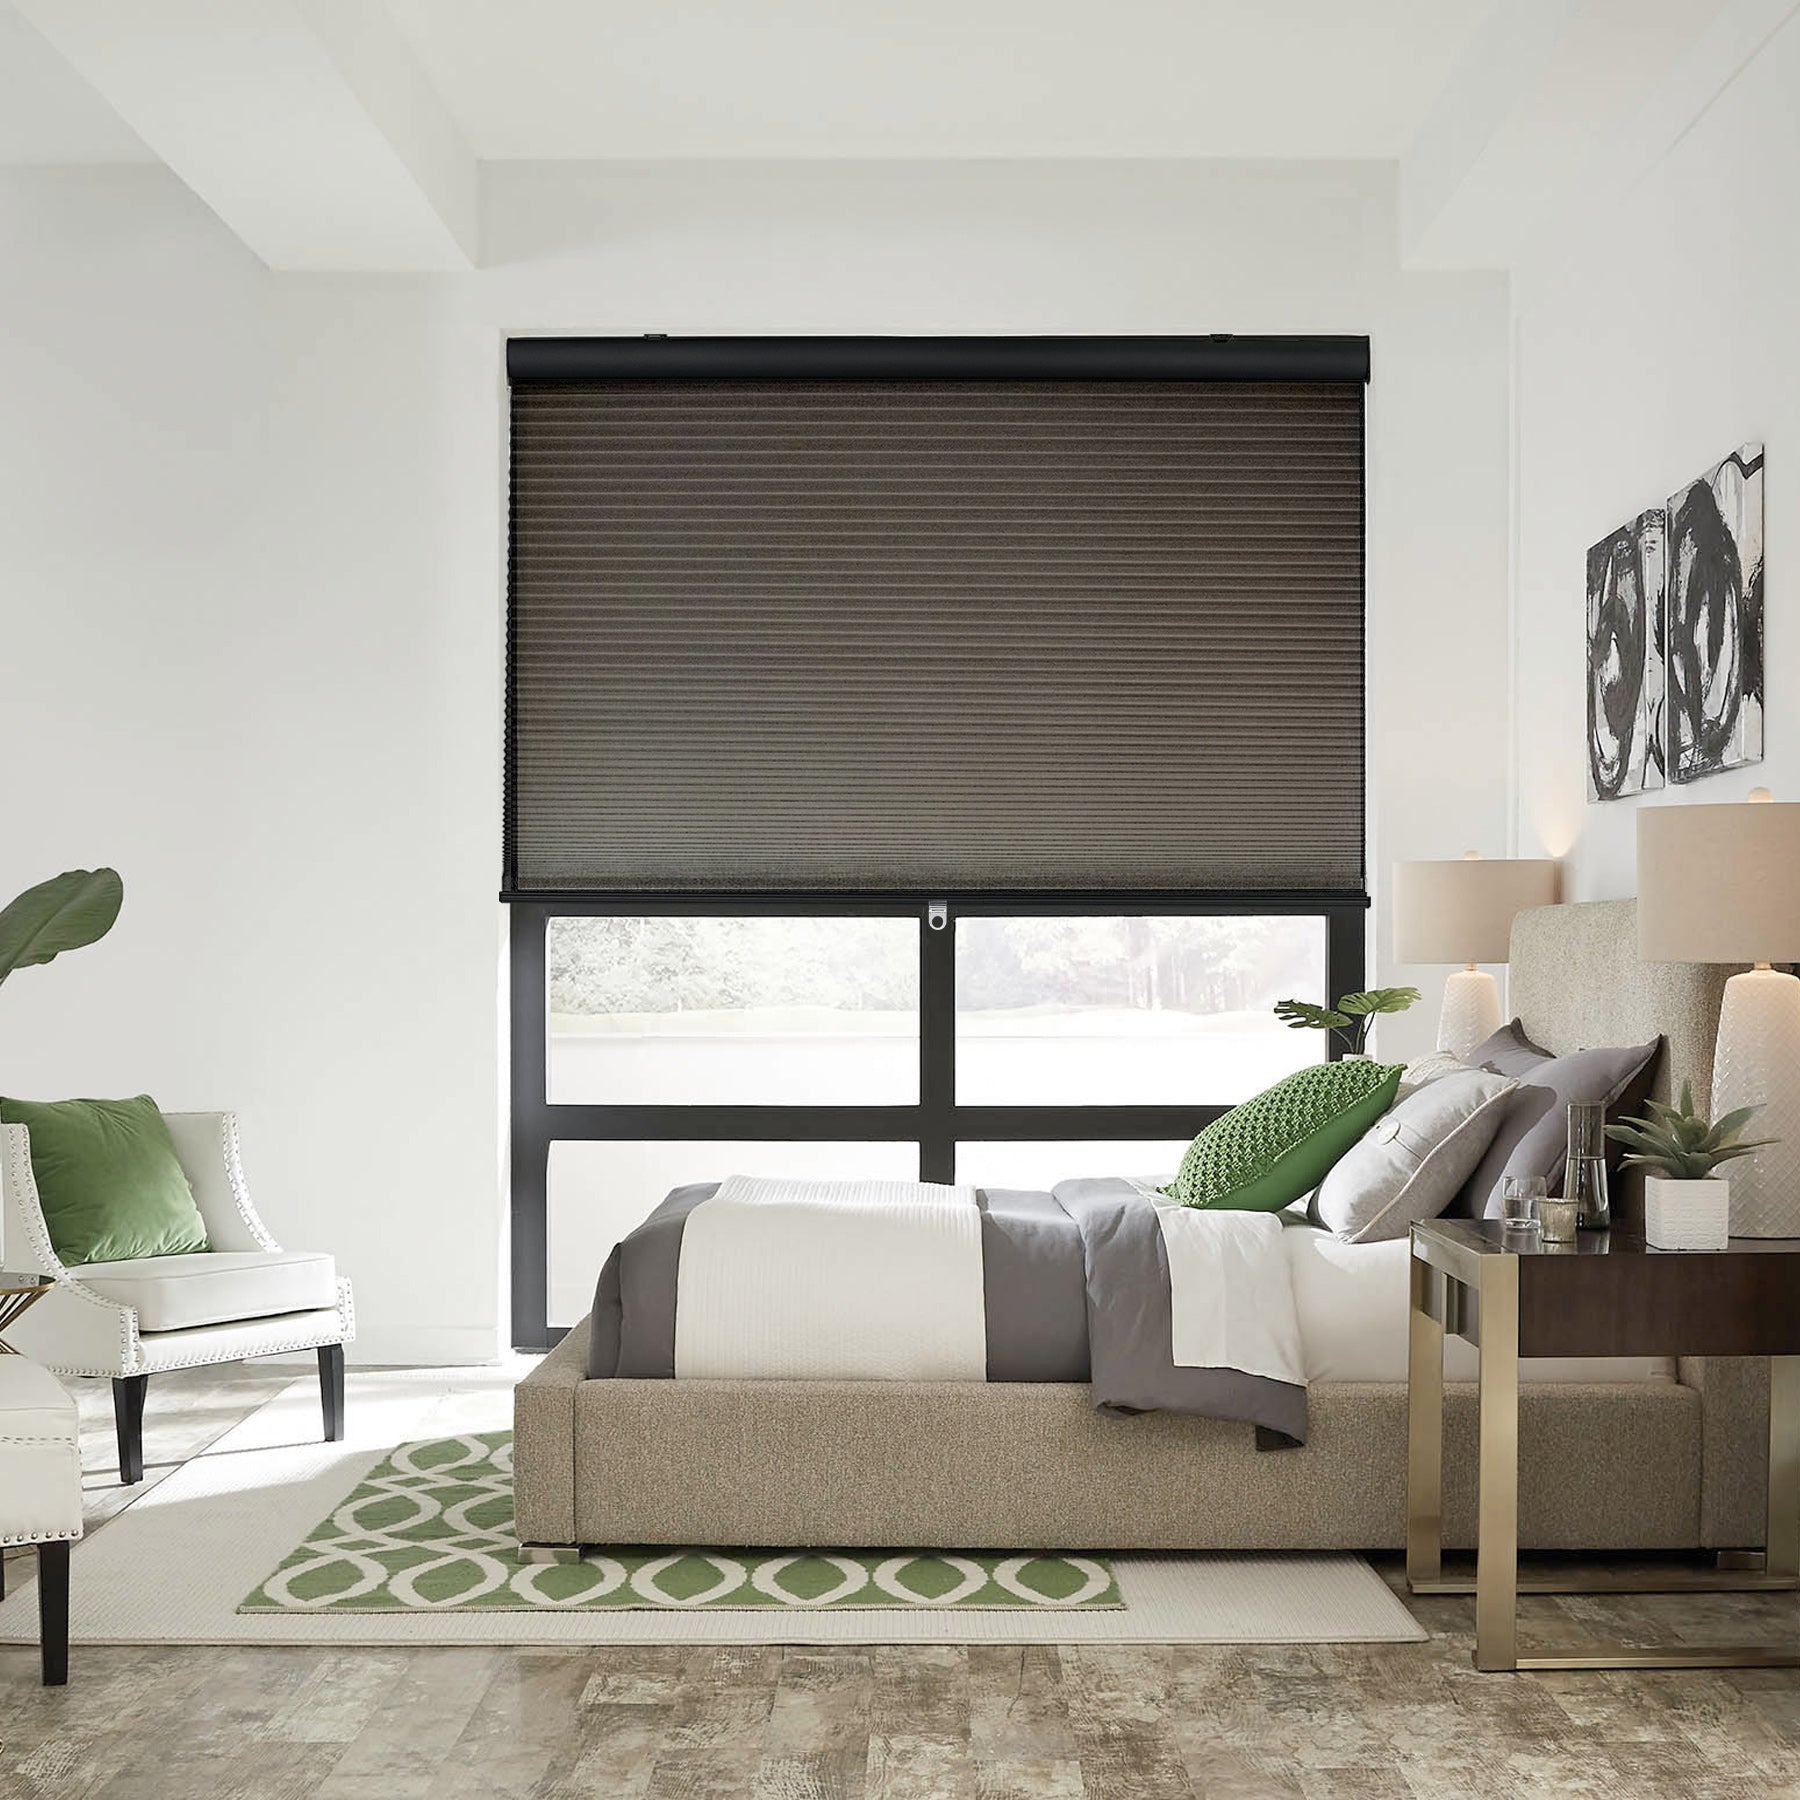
{"points": [[1352, 1300]]}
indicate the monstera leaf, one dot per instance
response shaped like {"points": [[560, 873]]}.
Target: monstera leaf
{"points": [[61, 914], [1302, 1015], [1378, 1000]]}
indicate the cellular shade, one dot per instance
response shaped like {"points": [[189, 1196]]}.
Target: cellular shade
{"points": [[904, 634]]}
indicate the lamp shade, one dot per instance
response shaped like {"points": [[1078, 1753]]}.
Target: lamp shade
{"points": [[1462, 912], [1719, 883]]}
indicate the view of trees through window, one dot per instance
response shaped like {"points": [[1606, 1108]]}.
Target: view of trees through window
{"points": [[614, 965], [1050, 1010]]}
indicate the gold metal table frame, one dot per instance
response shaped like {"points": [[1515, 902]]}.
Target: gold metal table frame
{"points": [[18, 1294], [1440, 1301]]}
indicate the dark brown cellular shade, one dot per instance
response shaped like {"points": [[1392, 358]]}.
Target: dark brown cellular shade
{"points": [[921, 634]]}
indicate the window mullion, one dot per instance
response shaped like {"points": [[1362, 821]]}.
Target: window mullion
{"points": [[937, 1050]]}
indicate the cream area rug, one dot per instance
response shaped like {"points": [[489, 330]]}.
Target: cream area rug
{"points": [[176, 1566]]}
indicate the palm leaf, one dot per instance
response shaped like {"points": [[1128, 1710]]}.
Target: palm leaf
{"points": [[63, 913]]}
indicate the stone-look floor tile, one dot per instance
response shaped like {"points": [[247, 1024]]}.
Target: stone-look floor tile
{"points": [[917, 1766], [1055, 1778], [702, 1775]]}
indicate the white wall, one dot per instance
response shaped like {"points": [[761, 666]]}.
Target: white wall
{"points": [[252, 552], [1642, 360]]}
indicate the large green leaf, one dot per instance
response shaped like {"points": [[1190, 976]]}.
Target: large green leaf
{"points": [[1302, 1015], [1378, 1000], [61, 914]]}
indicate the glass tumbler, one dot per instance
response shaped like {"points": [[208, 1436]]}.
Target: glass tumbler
{"points": [[1519, 1198]]}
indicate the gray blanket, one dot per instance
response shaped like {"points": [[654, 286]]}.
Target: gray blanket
{"points": [[1075, 1287]]}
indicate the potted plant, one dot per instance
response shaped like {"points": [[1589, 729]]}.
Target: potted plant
{"points": [[1350, 1019], [1686, 1207]]}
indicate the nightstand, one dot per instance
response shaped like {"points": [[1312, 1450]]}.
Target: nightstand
{"points": [[1607, 1294]]}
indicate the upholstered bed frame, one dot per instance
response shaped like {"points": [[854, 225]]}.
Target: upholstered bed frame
{"points": [[1647, 1464]]}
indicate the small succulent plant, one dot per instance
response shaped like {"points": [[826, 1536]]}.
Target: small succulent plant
{"points": [[1678, 1144]]}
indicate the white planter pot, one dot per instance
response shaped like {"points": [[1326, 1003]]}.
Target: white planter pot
{"points": [[1686, 1215]]}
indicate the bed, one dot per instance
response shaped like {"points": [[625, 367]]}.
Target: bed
{"points": [[1642, 1455]]}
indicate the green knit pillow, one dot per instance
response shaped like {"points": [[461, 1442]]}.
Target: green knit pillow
{"points": [[1265, 1154]]}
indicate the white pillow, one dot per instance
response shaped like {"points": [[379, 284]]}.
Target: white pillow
{"points": [[1410, 1163], [1423, 1070]]}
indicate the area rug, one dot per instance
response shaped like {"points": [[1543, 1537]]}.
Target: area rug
{"points": [[430, 1527], [174, 1567]]}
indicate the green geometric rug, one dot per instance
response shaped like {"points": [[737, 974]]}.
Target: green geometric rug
{"points": [[431, 1529]]}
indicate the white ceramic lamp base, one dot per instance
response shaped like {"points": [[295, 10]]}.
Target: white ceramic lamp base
{"points": [[1757, 1063], [1471, 1013]]}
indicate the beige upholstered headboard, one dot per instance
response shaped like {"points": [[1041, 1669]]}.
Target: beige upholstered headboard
{"points": [[1575, 982]]}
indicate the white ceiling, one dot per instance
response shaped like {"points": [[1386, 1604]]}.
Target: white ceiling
{"points": [[350, 134], [48, 113], [555, 79]]}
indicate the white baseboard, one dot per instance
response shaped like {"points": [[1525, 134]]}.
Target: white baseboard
{"points": [[418, 1347]]}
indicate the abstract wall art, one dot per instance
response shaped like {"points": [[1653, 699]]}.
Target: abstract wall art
{"points": [[1715, 619], [1625, 593]]}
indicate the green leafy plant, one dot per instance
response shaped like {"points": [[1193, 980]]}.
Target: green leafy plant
{"points": [[1678, 1144], [1350, 1018], [64, 913]]}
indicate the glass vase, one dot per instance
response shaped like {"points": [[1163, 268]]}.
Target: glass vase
{"points": [[1584, 1175]]}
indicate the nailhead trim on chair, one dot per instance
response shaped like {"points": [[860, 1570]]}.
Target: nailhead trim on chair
{"points": [[40, 1537], [232, 1155]]}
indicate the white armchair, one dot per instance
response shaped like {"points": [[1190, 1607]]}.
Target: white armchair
{"points": [[243, 1296]]}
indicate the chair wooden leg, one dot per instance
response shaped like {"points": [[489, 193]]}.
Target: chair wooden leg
{"points": [[53, 1610], [128, 1417], [331, 1390]]}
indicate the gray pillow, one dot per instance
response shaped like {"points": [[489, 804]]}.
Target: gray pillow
{"points": [[1410, 1163], [1509, 1052], [1533, 1138]]}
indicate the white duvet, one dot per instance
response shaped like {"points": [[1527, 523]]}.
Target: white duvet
{"points": [[813, 1280]]}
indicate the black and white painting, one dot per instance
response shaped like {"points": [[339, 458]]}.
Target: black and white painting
{"points": [[1625, 585], [1715, 619]]}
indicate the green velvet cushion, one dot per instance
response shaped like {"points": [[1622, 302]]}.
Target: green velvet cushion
{"points": [[111, 1185], [1265, 1154]]}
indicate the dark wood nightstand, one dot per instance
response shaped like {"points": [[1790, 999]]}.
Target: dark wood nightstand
{"points": [[1607, 1294]]}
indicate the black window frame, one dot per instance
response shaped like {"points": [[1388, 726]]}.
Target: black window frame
{"points": [[937, 1121]]}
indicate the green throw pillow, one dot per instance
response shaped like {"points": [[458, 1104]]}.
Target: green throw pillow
{"points": [[111, 1184], [1265, 1154]]}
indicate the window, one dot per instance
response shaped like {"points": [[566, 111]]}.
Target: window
{"points": [[733, 1011], [1095, 1011], [1018, 1043], [923, 756]]}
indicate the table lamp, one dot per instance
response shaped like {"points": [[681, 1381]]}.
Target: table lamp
{"points": [[1721, 884], [1462, 912]]}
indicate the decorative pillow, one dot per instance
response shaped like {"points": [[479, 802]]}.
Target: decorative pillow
{"points": [[1423, 1070], [1412, 1160], [1265, 1154], [1509, 1052], [110, 1182], [1533, 1138]]}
